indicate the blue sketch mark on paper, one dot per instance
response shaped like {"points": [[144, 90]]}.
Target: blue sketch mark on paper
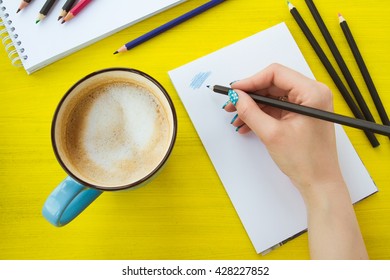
{"points": [[199, 79]]}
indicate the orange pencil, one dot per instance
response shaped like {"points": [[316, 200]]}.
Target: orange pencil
{"points": [[75, 10], [23, 5]]}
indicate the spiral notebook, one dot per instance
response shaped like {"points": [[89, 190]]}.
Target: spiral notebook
{"points": [[269, 206], [34, 46]]}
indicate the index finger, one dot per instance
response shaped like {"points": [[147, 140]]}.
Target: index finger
{"points": [[276, 79]]}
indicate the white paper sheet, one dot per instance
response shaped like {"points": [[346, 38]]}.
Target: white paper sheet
{"points": [[49, 40], [269, 206]]}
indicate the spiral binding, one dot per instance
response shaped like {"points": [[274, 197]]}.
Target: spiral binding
{"points": [[9, 38]]}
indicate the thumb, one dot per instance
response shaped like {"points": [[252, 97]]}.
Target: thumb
{"points": [[249, 112]]}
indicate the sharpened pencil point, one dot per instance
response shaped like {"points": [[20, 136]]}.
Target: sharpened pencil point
{"points": [[37, 21], [18, 11], [208, 86], [60, 17], [341, 18], [63, 21], [116, 52]]}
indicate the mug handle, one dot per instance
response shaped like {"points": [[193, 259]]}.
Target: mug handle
{"points": [[67, 201]]}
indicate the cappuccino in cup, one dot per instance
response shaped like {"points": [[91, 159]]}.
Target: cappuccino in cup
{"points": [[113, 130]]}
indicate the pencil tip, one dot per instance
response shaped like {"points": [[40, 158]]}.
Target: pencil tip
{"points": [[63, 21], [37, 21], [341, 18], [116, 52], [18, 11], [60, 17]]}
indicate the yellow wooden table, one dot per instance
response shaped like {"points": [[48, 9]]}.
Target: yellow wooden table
{"points": [[185, 213]]}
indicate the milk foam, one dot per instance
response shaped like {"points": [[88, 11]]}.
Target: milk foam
{"points": [[119, 133]]}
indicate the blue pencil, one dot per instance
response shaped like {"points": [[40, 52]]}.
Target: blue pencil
{"points": [[168, 25]]}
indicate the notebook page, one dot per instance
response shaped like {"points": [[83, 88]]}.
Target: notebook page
{"points": [[49, 40], [269, 206]]}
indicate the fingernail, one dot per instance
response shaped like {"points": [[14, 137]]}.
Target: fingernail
{"points": [[234, 118], [238, 127], [233, 96], [233, 82], [224, 105]]}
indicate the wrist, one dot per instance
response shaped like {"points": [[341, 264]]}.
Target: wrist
{"points": [[332, 225], [324, 192]]}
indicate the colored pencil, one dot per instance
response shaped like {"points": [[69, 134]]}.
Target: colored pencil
{"points": [[332, 72], [66, 8], [340, 61], [312, 112], [45, 10], [75, 10], [364, 70], [168, 26], [23, 5]]}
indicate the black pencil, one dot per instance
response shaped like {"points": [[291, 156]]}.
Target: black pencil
{"points": [[45, 10], [332, 72], [66, 8], [364, 70], [340, 61], [312, 112]]}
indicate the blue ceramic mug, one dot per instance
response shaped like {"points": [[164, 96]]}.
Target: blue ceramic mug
{"points": [[113, 130]]}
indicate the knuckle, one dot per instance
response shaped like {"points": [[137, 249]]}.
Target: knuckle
{"points": [[324, 90], [274, 66], [326, 95], [323, 97]]}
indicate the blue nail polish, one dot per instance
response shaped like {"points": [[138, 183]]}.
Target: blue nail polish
{"points": [[238, 128], [234, 118], [224, 105], [233, 97]]}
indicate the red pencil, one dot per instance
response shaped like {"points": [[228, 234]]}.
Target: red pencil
{"points": [[75, 10]]}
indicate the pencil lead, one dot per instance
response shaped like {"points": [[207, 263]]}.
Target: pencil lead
{"points": [[18, 11], [60, 17], [63, 21], [341, 18], [208, 86], [37, 21], [116, 52]]}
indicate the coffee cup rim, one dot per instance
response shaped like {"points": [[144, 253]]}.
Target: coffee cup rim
{"points": [[150, 174]]}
